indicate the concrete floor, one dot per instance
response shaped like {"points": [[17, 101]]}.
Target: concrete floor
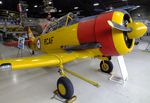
{"points": [[37, 85]]}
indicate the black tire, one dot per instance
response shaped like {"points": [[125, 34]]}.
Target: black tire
{"points": [[106, 66], [67, 85]]}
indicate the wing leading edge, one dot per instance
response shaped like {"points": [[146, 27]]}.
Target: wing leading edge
{"points": [[46, 59]]}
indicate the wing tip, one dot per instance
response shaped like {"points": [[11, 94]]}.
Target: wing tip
{"points": [[5, 67]]}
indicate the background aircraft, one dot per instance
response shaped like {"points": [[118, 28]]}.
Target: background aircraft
{"points": [[102, 36]]}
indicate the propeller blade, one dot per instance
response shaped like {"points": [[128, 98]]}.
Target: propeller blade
{"points": [[118, 26]]}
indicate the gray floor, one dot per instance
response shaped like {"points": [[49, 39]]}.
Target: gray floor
{"points": [[37, 85]]}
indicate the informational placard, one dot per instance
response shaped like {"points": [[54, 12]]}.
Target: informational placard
{"points": [[21, 42]]}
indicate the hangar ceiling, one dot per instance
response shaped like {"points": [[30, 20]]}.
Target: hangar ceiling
{"points": [[64, 6]]}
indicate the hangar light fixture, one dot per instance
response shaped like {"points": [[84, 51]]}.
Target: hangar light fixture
{"points": [[1, 2], [76, 7], [27, 9], [49, 2], [35, 6], [138, 15], [96, 4], [59, 10], [138, 6]]}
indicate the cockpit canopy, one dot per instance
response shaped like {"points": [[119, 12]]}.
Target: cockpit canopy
{"points": [[66, 20]]}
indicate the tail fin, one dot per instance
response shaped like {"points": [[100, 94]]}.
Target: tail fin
{"points": [[30, 34]]}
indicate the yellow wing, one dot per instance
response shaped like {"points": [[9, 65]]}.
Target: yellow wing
{"points": [[46, 59]]}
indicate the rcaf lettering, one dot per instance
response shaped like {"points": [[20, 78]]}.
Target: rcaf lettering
{"points": [[48, 41]]}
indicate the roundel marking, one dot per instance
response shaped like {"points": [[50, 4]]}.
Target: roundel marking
{"points": [[38, 43]]}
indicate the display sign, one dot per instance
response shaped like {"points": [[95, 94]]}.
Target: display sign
{"points": [[21, 42]]}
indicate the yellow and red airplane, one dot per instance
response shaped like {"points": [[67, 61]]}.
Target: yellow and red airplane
{"points": [[102, 36]]}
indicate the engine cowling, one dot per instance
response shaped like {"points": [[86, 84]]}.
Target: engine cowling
{"points": [[113, 41]]}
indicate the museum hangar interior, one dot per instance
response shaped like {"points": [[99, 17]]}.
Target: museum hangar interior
{"points": [[74, 51]]}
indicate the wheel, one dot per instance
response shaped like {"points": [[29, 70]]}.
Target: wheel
{"points": [[65, 88], [106, 66]]}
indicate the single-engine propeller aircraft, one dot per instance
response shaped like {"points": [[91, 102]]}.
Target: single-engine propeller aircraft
{"points": [[102, 36]]}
